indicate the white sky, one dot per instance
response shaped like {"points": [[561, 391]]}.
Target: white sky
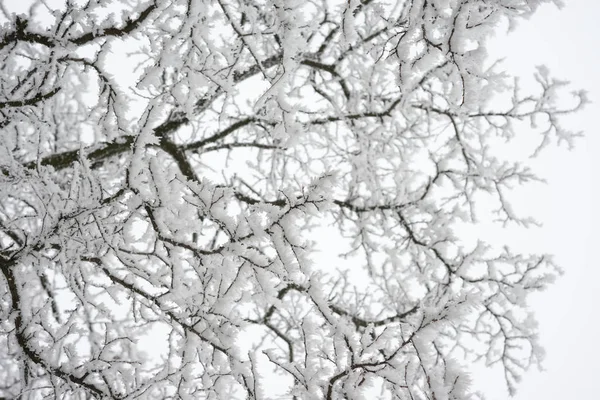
{"points": [[568, 42]]}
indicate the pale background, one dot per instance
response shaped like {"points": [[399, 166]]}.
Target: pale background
{"points": [[568, 42]]}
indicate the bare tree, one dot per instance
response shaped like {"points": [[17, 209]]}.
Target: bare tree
{"points": [[168, 168]]}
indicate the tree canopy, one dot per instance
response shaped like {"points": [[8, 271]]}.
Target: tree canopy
{"points": [[171, 172]]}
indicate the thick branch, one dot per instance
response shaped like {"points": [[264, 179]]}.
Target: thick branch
{"points": [[129, 27], [22, 340], [29, 102], [21, 35], [363, 323], [64, 160]]}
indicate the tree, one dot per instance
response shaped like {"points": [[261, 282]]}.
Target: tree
{"points": [[168, 169]]}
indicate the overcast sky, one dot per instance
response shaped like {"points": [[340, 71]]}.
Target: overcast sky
{"points": [[568, 42]]}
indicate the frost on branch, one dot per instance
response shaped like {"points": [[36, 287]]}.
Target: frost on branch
{"points": [[168, 168]]}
